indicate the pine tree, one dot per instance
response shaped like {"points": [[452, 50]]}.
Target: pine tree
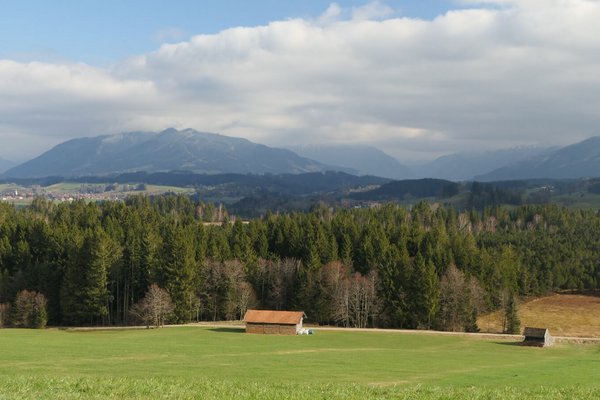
{"points": [[176, 270], [424, 293], [346, 249], [511, 317], [431, 290], [84, 292], [393, 273], [471, 321], [39, 317]]}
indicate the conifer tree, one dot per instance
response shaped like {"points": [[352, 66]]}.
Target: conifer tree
{"points": [[29, 310], [394, 273], [177, 269], [424, 287], [84, 292], [511, 317]]}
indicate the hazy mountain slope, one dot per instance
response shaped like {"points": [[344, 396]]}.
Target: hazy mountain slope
{"points": [[365, 160], [164, 151], [5, 164], [575, 161], [465, 166]]}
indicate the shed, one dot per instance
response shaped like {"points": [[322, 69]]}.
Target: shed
{"points": [[273, 322], [539, 337]]}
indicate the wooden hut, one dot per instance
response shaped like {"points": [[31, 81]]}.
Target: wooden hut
{"points": [[273, 322], [539, 337]]}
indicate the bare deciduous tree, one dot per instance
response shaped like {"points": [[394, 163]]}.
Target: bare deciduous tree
{"points": [[354, 298], [29, 310], [336, 281], [233, 277], [282, 276], [362, 299], [239, 293], [155, 308], [461, 299], [246, 298], [4, 313], [226, 292]]}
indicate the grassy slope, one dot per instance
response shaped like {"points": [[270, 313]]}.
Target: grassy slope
{"points": [[220, 363], [150, 189], [578, 201], [563, 314]]}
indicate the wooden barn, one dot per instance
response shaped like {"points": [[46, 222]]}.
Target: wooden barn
{"points": [[273, 322], [539, 337]]}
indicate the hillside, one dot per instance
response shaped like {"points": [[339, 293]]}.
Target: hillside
{"points": [[564, 314], [168, 150], [365, 160], [413, 188], [289, 184], [575, 161], [465, 166]]}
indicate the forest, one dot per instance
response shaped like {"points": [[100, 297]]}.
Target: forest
{"points": [[421, 267]]}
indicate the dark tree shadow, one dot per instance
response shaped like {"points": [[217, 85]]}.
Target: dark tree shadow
{"points": [[228, 330]]}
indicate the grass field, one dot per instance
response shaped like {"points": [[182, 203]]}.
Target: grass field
{"points": [[578, 201], [563, 314], [74, 189], [208, 363], [64, 187]]}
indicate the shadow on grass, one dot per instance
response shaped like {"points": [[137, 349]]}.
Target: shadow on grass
{"points": [[510, 343], [228, 330]]}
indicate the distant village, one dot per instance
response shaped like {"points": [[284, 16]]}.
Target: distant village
{"points": [[90, 192]]}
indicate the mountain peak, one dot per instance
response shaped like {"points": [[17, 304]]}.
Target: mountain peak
{"points": [[168, 131], [168, 150]]}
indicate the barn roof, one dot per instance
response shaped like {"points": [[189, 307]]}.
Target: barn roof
{"points": [[539, 333], [273, 317]]}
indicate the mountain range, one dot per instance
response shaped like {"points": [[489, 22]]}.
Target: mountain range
{"points": [[168, 150], [467, 165], [579, 160], [210, 153], [365, 160]]}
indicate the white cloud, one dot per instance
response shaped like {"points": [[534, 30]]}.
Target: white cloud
{"points": [[372, 10], [524, 72], [332, 14]]}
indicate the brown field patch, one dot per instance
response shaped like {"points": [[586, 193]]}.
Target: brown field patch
{"points": [[564, 314]]}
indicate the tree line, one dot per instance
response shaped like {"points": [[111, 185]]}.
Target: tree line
{"points": [[423, 267]]}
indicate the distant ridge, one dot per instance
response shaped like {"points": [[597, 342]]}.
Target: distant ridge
{"points": [[579, 160], [171, 149], [466, 165], [366, 160], [410, 188]]}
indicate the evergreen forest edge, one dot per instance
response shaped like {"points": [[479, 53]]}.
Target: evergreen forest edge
{"points": [[423, 267]]}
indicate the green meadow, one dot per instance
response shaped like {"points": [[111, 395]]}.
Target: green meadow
{"points": [[210, 363]]}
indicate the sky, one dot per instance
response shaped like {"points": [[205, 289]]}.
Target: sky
{"points": [[415, 78]]}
